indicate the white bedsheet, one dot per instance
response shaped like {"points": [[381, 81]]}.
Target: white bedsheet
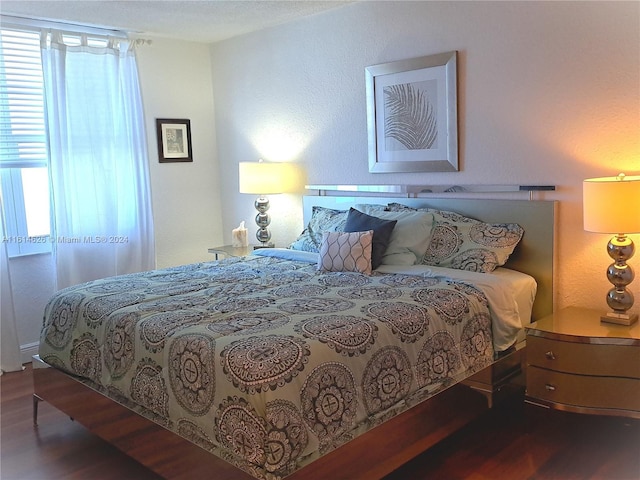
{"points": [[510, 293]]}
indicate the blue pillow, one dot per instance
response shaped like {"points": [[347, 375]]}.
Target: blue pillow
{"points": [[382, 229]]}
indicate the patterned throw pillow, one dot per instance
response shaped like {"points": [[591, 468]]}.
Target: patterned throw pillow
{"points": [[467, 244], [322, 220], [346, 252]]}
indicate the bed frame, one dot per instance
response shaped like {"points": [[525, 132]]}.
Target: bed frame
{"points": [[379, 451]]}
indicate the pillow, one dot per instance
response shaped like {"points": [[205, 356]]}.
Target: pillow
{"points": [[467, 244], [346, 252], [322, 220], [382, 229], [410, 237]]}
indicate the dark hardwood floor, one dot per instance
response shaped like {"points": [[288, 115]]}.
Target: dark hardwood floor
{"points": [[512, 442]]}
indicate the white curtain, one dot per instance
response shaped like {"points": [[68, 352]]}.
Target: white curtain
{"points": [[10, 360], [101, 201]]}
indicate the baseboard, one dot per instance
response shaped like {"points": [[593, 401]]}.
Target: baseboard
{"points": [[27, 351]]}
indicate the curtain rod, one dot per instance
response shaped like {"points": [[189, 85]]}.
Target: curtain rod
{"points": [[72, 27]]}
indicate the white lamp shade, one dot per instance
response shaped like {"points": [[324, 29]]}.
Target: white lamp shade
{"points": [[612, 204], [266, 178]]}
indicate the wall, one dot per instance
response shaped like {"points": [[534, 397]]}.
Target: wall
{"points": [[32, 282], [175, 80], [548, 93]]}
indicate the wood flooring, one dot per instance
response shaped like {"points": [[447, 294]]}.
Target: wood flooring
{"points": [[513, 441]]}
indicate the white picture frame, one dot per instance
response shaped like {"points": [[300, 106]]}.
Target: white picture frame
{"points": [[412, 115]]}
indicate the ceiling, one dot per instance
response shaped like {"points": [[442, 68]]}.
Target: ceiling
{"points": [[204, 21]]}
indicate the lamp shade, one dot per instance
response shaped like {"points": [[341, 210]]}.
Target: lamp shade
{"points": [[612, 204], [266, 178]]}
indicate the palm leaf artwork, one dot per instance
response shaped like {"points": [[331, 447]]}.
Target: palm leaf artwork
{"points": [[410, 117]]}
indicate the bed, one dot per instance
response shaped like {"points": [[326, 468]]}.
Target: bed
{"points": [[306, 362]]}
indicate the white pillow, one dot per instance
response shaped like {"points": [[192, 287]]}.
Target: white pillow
{"points": [[410, 238], [346, 252]]}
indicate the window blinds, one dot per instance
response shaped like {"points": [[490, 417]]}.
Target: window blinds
{"points": [[22, 123]]}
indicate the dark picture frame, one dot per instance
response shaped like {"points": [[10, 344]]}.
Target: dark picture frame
{"points": [[174, 140], [412, 115]]}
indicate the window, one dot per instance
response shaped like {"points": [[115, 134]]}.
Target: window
{"points": [[23, 148]]}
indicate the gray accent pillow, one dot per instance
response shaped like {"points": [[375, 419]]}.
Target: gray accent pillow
{"points": [[410, 237], [382, 230]]}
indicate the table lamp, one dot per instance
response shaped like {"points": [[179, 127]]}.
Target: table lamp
{"points": [[266, 178], [612, 205]]}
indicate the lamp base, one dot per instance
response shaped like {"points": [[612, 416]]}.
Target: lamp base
{"points": [[620, 318], [264, 245]]}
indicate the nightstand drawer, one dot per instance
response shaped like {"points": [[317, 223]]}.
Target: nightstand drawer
{"points": [[584, 358], [583, 390]]}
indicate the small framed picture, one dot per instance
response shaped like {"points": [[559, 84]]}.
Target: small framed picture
{"points": [[174, 140]]}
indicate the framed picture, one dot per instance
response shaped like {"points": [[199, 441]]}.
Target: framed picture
{"points": [[174, 140], [412, 115]]}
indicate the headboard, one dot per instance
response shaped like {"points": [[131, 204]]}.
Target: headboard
{"points": [[534, 254]]}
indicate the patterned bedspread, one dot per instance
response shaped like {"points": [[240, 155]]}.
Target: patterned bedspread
{"points": [[263, 361]]}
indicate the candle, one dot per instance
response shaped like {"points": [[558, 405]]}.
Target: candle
{"points": [[239, 236]]}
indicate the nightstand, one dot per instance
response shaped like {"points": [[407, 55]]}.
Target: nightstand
{"points": [[578, 364], [230, 251]]}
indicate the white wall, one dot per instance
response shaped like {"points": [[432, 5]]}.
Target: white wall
{"points": [[176, 80], [176, 83], [32, 282], [548, 94]]}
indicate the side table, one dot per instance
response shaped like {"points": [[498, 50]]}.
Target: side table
{"points": [[230, 251], [578, 364]]}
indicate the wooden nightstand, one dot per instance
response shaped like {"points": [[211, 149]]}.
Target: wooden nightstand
{"points": [[230, 251], [576, 363]]}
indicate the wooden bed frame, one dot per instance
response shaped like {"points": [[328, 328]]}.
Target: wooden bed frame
{"points": [[379, 451]]}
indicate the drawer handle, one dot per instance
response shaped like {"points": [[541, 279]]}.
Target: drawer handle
{"points": [[550, 355], [550, 388]]}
